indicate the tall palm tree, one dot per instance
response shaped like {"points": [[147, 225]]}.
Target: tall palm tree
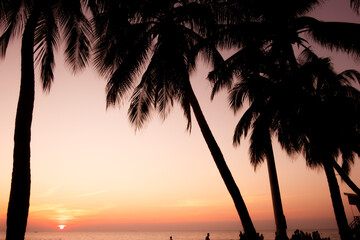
{"points": [[39, 23], [167, 34], [258, 77], [274, 28], [258, 90], [322, 122]]}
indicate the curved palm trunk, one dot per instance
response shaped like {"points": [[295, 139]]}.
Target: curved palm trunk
{"points": [[344, 230], [346, 178], [18, 207], [280, 220], [222, 166]]}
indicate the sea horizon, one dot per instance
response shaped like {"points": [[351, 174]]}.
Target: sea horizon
{"points": [[160, 235]]}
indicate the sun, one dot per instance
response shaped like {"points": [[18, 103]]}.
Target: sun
{"points": [[61, 227]]}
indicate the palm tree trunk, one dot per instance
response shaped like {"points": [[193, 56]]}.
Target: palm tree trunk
{"points": [[346, 178], [344, 230], [221, 165], [18, 207], [280, 220]]}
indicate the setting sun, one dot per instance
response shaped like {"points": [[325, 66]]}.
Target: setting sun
{"points": [[61, 227]]}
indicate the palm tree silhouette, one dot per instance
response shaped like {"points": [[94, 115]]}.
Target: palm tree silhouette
{"points": [[262, 28], [322, 121], [259, 76], [41, 22], [258, 116], [170, 34]]}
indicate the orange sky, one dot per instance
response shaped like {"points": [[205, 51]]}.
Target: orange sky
{"points": [[92, 171]]}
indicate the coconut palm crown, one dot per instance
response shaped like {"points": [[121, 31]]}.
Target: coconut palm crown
{"points": [[322, 122], [160, 42], [266, 34], [39, 24]]}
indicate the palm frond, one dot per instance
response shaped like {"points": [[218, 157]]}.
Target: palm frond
{"points": [[112, 47], [347, 160], [141, 102], [93, 5], [4, 40], [161, 71], [223, 74], [123, 77], [3, 7], [207, 49], [78, 38], [117, 86], [259, 141], [198, 16], [238, 94], [77, 33], [351, 75], [246, 33], [355, 5], [245, 124], [307, 56], [174, 58], [185, 105], [163, 97], [12, 22], [45, 41], [336, 35]]}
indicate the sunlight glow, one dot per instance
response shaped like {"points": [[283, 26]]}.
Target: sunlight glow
{"points": [[61, 227]]}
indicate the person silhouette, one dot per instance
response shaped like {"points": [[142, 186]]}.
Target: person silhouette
{"points": [[207, 236], [171, 238]]}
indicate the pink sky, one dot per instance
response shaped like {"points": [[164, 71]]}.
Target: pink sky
{"points": [[92, 171]]}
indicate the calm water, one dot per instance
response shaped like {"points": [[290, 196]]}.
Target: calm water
{"points": [[216, 235]]}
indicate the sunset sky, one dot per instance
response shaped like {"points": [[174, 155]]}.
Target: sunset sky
{"points": [[92, 171]]}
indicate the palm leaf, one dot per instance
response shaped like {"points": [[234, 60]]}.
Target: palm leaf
{"points": [[141, 101], [122, 79], [350, 75], [77, 33], [11, 22], [355, 5], [185, 104], [174, 56], [45, 40], [237, 96], [336, 35], [222, 75], [113, 46], [199, 16], [259, 141], [245, 124]]}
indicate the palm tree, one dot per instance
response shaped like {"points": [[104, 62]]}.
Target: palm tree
{"points": [[167, 34], [258, 90], [258, 76], [322, 122], [272, 28], [40, 22]]}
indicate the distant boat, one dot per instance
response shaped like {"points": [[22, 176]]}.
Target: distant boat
{"points": [[354, 199]]}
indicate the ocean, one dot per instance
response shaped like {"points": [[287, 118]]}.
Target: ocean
{"points": [[176, 235]]}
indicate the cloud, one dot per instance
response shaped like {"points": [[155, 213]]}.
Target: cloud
{"points": [[58, 212], [45, 207], [50, 191], [91, 193]]}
